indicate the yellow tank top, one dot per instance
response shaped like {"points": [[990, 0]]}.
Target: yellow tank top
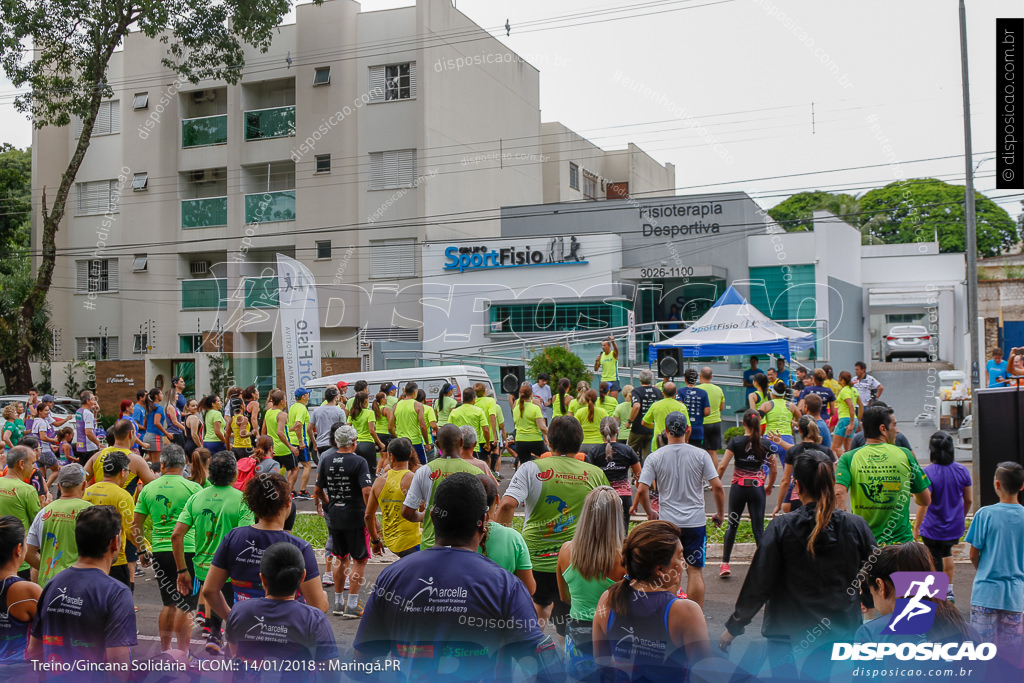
{"points": [[399, 533], [779, 419], [238, 441]]}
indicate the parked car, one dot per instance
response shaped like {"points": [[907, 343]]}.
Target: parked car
{"points": [[905, 341], [63, 405], [430, 379]]}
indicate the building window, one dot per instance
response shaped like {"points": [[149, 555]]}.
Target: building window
{"points": [[97, 348], [557, 317], [141, 100], [323, 249], [776, 291], [322, 75], [574, 176], [589, 185], [140, 181], [393, 258], [393, 82], [140, 343], [96, 276], [140, 263], [392, 169], [190, 343], [323, 163], [98, 197], [108, 120]]}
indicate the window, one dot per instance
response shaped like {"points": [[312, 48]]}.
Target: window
{"points": [[323, 249], [322, 75], [589, 185], [393, 82], [98, 197], [96, 276], [108, 120], [393, 258], [392, 169], [140, 343], [141, 100], [140, 263], [574, 176], [784, 292], [557, 317], [903, 318], [323, 163], [97, 348], [140, 181], [190, 343]]}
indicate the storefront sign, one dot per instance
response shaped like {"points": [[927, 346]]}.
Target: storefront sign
{"points": [[654, 226], [559, 251]]}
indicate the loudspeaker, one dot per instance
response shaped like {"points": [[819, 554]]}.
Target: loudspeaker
{"points": [[512, 376], [670, 361], [999, 429]]}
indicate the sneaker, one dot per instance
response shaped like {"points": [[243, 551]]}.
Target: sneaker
{"points": [[303, 495], [138, 570], [724, 571], [353, 612], [213, 645], [339, 610], [497, 475], [328, 580]]}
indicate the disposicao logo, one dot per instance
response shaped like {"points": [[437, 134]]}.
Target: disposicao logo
{"points": [[915, 612]]}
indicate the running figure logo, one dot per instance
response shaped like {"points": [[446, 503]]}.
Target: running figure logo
{"points": [[915, 608]]}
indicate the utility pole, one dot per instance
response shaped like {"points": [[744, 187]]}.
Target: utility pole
{"points": [[972, 251]]}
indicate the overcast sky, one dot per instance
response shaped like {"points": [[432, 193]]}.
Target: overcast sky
{"points": [[748, 72]]}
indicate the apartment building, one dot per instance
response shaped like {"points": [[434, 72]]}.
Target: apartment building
{"points": [[355, 140]]}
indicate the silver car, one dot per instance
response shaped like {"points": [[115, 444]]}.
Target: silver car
{"points": [[908, 341]]}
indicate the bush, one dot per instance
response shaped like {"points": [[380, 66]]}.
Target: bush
{"points": [[732, 433], [559, 362]]}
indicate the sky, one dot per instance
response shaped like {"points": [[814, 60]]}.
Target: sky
{"points": [[770, 97]]}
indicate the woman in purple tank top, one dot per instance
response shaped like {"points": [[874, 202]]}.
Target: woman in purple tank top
{"points": [[642, 631], [18, 600]]}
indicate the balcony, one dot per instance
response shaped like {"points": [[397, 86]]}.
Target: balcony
{"points": [[269, 207], [210, 293], [204, 213], [261, 292], [266, 124], [206, 130]]}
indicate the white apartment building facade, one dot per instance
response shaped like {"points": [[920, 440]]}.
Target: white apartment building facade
{"points": [[349, 145]]}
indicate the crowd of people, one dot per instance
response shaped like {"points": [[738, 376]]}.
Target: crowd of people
{"points": [[204, 494]]}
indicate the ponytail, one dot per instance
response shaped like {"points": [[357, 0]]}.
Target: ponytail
{"points": [[525, 395], [442, 395], [563, 387], [591, 398], [650, 545], [264, 447], [609, 430], [359, 403], [809, 429], [379, 400], [812, 469], [752, 421], [150, 403]]}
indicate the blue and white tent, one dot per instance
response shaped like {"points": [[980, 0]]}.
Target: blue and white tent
{"points": [[732, 327]]}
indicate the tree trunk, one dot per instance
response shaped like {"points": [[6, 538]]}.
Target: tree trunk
{"points": [[17, 373]]}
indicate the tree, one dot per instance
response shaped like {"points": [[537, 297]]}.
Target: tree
{"points": [[559, 362], [66, 76], [15, 196], [796, 213], [222, 374]]}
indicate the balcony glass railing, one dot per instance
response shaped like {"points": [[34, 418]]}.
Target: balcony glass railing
{"points": [[204, 213], [276, 122], [205, 130], [268, 207], [261, 292], [209, 293]]}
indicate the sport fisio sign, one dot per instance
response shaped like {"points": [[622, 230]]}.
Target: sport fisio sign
{"points": [[559, 251]]}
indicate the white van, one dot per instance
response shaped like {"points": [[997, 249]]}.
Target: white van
{"points": [[429, 379]]}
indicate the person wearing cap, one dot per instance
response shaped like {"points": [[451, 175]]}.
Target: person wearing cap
{"points": [[779, 414], [341, 386], [654, 418], [163, 501], [17, 497], [51, 536], [390, 390], [679, 471], [48, 400], [301, 436], [111, 492]]}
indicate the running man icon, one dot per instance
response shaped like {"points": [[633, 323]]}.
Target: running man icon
{"points": [[914, 612]]}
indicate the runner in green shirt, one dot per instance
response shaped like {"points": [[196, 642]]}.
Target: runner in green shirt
{"points": [[212, 513], [504, 544], [18, 498], [275, 425], [301, 435], [654, 418], [469, 414], [408, 421], [879, 479], [163, 501], [712, 421], [608, 363], [51, 538]]}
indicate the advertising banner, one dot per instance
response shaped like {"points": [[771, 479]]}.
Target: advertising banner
{"points": [[300, 323]]}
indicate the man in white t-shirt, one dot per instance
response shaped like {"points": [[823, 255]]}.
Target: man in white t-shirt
{"points": [[680, 471], [867, 386], [542, 391], [86, 441]]}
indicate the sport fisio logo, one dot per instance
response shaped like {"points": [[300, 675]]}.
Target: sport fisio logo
{"points": [[914, 614]]}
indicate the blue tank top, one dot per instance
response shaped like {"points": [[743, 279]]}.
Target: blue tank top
{"points": [[13, 633], [640, 642]]}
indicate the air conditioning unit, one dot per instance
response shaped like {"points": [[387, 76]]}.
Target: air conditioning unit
{"points": [[204, 95], [205, 176], [198, 267]]}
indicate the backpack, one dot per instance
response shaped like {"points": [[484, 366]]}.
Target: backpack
{"points": [[246, 471]]}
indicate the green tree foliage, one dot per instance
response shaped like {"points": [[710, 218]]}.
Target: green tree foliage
{"points": [[15, 195], [796, 213], [559, 362], [65, 77]]}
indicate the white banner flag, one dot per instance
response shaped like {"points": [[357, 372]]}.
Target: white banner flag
{"points": [[300, 323], [631, 337]]}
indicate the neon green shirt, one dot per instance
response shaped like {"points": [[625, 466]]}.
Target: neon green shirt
{"points": [[609, 404], [212, 513], [407, 422], [58, 550], [163, 500], [362, 423], [444, 409], [591, 427], [609, 367], [298, 413], [526, 424], [881, 479], [280, 447], [715, 398], [469, 414], [211, 418], [622, 413], [847, 392], [657, 413]]}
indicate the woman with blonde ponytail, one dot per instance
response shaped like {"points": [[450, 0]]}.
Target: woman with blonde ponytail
{"points": [[641, 628], [805, 573], [617, 460], [590, 415], [531, 428]]}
